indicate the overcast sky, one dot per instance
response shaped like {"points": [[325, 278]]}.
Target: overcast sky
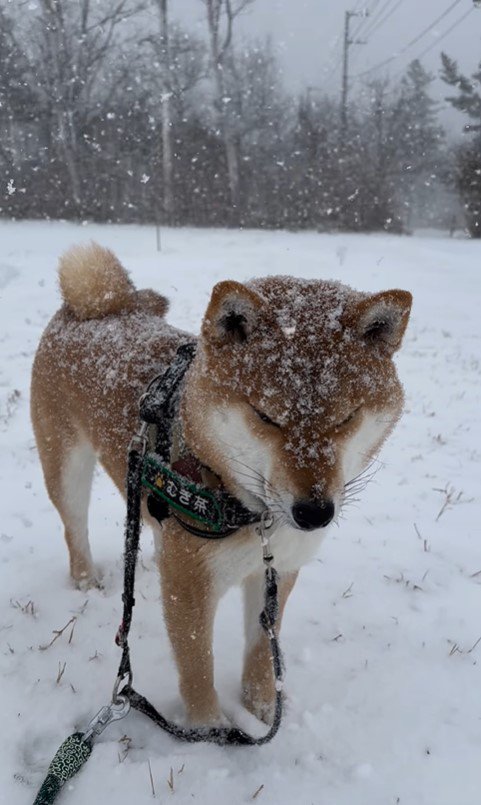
{"points": [[308, 35]]}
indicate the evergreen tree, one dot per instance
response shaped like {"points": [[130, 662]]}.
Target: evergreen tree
{"points": [[375, 163], [419, 140], [468, 162]]}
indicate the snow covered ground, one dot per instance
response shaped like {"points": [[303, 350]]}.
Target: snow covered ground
{"points": [[381, 634]]}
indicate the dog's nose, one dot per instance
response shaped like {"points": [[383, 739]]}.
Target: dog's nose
{"points": [[310, 514]]}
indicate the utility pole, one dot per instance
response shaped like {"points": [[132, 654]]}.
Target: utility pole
{"points": [[345, 62]]}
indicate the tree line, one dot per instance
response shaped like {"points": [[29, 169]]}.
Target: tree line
{"points": [[111, 111]]}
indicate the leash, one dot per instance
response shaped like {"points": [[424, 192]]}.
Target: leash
{"points": [[159, 404], [123, 685]]}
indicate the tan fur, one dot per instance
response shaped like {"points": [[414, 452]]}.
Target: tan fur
{"points": [[190, 602], [94, 361]]}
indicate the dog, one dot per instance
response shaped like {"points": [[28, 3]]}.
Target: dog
{"points": [[291, 393]]}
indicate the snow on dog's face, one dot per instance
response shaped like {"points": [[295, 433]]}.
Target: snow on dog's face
{"points": [[295, 390]]}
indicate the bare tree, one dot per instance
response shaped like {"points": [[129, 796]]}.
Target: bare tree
{"points": [[221, 15], [166, 116], [181, 60], [69, 54], [188, 63]]}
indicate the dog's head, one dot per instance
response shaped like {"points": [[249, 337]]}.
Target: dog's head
{"points": [[294, 390]]}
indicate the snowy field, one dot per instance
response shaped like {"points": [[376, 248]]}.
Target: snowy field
{"points": [[382, 633]]}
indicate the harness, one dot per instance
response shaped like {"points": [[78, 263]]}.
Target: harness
{"points": [[172, 493], [211, 514]]}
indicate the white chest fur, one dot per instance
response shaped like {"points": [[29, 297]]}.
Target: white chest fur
{"points": [[239, 556]]}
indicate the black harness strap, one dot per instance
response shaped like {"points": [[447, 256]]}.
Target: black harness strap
{"points": [[219, 735]]}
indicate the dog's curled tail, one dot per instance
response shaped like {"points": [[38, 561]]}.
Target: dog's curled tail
{"points": [[95, 284]]}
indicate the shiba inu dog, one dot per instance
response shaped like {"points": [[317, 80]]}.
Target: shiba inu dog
{"points": [[290, 395]]}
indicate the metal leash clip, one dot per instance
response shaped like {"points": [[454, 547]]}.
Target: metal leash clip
{"points": [[265, 525], [139, 439], [119, 679], [105, 716]]}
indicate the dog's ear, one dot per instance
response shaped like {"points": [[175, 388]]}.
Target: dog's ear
{"points": [[381, 319], [232, 314]]}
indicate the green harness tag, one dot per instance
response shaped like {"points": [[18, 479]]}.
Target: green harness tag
{"points": [[184, 496]]}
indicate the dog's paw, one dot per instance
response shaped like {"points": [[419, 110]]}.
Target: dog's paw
{"points": [[208, 718], [88, 580], [263, 709], [206, 712], [217, 720]]}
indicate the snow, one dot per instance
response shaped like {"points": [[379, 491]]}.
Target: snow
{"points": [[380, 636]]}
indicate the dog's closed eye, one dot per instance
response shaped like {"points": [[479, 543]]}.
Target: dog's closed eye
{"points": [[265, 418], [349, 418]]}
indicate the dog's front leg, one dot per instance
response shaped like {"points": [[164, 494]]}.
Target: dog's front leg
{"points": [[258, 686], [190, 601]]}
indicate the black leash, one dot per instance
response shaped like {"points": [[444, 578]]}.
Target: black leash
{"points": [[123, 686]]}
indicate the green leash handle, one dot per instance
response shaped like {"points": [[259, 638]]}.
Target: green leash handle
{"points": [[69, 759], [76, 749]]}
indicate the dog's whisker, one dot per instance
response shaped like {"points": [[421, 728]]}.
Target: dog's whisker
{"points": [[348, 498], [361, 480], [261, 494], [251, 469], [371, 467], [265, 497], [356, 490], [256, 474], [247, 475], [257, 477]]}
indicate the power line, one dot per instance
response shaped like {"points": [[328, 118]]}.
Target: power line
{"points": [[435, 22], [420, 36], [381, 18], [440, 38], [357, 11], [370, 10], [384, 19], [372, 18], [383, 9], [351, 39]]}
